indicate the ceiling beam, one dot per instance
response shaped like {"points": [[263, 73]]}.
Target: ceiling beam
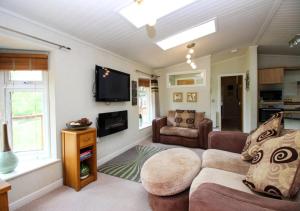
{"points": [[267, 21]]}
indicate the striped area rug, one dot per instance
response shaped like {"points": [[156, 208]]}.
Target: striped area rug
{"points": [[128, 165]]}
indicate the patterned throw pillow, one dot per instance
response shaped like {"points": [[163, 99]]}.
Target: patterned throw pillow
{"points": [[185, 118], [275, 168], [266, 131]]}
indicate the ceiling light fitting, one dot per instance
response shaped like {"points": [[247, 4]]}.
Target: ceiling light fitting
{"points": [[189, 55], [295, 41]]}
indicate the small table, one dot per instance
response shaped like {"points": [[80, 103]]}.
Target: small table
{"points": [[4, 188]]}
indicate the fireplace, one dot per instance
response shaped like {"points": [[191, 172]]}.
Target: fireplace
{"points": [[112, 122]]}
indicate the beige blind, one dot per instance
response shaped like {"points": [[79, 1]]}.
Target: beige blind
{"points": [[144, 82], [16, 61]]}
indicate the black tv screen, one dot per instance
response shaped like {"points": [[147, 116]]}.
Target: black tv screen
{"points": [[111, 85]]}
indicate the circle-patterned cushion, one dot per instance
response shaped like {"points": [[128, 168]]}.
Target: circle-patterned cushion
{"points": [[275, 168], [170, 172]]}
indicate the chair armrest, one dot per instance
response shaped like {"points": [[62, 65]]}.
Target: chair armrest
{"points": [[232, 141], [205, 127], [157, 124]]}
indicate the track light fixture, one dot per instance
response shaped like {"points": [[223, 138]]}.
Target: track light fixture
{"points": [[295, 41]]}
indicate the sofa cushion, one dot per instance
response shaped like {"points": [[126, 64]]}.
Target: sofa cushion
{"points": [[275, 169], [185, 118], [221, 177], [171, 118], [266, 131], [199, 117], [179, 131], [170, 172], [227, 161], [213, 197]]}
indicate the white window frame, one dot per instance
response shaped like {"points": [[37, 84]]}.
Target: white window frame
{"points": [[184, 73], [31, 86]]}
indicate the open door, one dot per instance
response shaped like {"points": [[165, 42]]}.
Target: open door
{"points": [[232, 103]]}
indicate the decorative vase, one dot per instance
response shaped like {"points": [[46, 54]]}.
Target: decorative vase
{"points": [[8, 160]]}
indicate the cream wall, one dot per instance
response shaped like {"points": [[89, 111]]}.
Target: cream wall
{"points": [[71, 75], [269, 61], [165, 93]]}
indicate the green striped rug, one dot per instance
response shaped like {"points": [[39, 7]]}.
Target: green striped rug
{"points": [[128, 165]]}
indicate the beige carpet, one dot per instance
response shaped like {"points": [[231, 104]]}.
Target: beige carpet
{"points": [[108, 193]]}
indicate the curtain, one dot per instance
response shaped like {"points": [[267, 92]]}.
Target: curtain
{"points": [[155, 98]]}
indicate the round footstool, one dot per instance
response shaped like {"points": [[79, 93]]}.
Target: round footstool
{"points": [[170, 172]]}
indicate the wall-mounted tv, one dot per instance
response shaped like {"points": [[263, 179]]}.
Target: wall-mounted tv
{"points": [[111, 85]]}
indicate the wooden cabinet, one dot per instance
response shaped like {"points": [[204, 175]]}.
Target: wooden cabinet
{"points": [[4, 188], [271, 76], [75, 143]]}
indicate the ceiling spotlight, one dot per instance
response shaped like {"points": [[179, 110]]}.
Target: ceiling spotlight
{"points": [[189, 61], [188, 56], [295, 41]]}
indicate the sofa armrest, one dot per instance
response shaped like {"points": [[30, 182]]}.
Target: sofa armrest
{"points": [[157, 124], [205, 127], [232, 141]]}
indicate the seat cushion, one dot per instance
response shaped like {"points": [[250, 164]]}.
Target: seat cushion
{"points": [[221, 177], [170, 172], [223, 160], [275, 169], [179, 131], [270, 129]]}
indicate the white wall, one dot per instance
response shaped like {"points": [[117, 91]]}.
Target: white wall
{"points": [[234, 65], [269, 61], [166, 94], [71, 76]]}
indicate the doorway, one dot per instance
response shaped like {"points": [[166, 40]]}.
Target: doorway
{"points": [[232, 103]]}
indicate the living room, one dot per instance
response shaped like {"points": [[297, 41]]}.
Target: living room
{"points": [[237, 39]]}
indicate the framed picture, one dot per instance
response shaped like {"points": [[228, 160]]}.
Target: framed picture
{"points": [[191, 97], [177, 97], [134, 92]]}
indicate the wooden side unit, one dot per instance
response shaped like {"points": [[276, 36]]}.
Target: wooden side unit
{"points": [[4, 188], [74, 143], [271, 76]]}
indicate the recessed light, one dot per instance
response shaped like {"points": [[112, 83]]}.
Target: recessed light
{"points": [[144, 12], [188, 35]]}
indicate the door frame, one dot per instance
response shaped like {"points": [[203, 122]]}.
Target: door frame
{"points": [[244, 97]]}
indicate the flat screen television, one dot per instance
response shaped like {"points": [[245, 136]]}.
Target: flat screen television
{"points": [[111, 85]]}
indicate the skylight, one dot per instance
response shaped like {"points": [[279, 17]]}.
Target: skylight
{"points": [[148, 11], [188, 35]]}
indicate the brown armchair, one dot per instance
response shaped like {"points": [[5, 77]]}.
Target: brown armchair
{"points": [[167, 134]]}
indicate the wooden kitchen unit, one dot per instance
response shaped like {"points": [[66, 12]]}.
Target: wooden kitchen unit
{"points": [[271, 76], [73, 144], [4, 188]]}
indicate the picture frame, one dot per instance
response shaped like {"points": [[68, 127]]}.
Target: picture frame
{"points": [[177, 97], [134, 92], [191, 97]]}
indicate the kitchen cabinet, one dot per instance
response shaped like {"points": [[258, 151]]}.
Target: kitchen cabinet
{"points": [[271, 76]]}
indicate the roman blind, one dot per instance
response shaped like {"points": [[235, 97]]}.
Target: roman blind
{"points": [[22, 61], [144, 82]]}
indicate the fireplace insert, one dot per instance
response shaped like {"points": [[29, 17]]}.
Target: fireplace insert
{"points": [[112, 122]]}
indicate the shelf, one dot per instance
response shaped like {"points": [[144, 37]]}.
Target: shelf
{"points": [[89, 179]]}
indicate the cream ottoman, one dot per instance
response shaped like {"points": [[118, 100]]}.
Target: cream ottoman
{"points": [[170, 172]]}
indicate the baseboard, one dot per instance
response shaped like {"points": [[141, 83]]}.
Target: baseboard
{"points": [[35, 195], [124, 149]]}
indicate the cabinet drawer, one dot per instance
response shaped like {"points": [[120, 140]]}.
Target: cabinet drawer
{"points": [[86, 139]]}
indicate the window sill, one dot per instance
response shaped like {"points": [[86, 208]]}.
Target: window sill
{"points": [[144, 126], [27, 167]]}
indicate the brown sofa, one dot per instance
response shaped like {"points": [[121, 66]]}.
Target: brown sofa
{"points": [[219, 185], [165, 133]]}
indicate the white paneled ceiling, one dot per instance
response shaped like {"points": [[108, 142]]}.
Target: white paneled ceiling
{"points": [[239, 22]]}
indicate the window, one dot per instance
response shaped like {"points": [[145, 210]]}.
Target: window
{"points": [[186, 79], [26, 109], [144, 99]]}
